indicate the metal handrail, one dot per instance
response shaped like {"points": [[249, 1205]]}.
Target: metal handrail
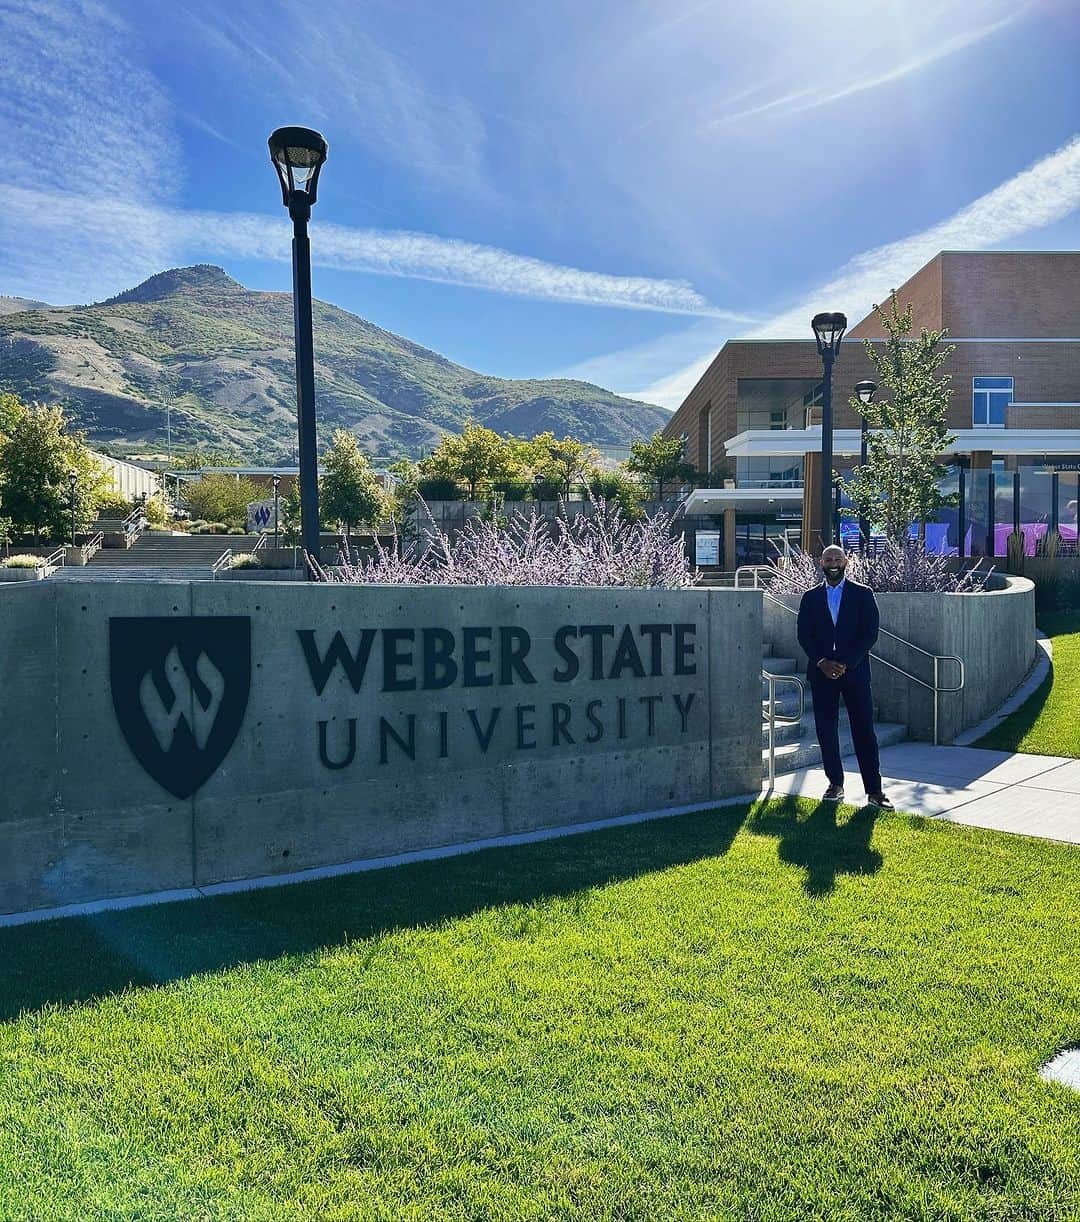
{"points": [[261, 542], [220, 563], [54, 559], [936, 658], [770, 718], [93, 545], [753, 569], [133, 522]]}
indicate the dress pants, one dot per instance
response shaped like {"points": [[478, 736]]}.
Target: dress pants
{"points": [[854, 687]]}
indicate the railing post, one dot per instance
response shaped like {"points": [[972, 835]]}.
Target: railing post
{"points": [[936, 699], [772, 731]]}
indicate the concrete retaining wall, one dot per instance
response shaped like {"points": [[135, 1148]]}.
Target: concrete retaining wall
{"points": [[181, 734], [993, 632]]}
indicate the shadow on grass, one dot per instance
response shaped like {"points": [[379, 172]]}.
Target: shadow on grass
{"points": [[1007, 735], [80, 959], [822, 844]]}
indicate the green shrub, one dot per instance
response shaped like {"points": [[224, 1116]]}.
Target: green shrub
{"points": [[112, 504], [22, 561], [438, 488], [247, 560], [156, 510], [237, 530], [513, 489], [222, 498]]}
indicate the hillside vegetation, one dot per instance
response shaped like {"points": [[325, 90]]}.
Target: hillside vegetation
{"points": [[222, 354]]}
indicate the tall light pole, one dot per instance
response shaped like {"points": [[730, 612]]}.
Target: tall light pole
{"points": [[73, 479], [298, 154], [864, 392], [828, 332]]}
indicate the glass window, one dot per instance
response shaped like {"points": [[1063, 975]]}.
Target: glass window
{"points": [[989, 399]]}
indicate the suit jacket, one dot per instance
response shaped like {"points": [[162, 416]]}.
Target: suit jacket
{"points": [[853, 635]]}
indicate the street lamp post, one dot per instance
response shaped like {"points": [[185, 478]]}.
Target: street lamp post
{"points": [[298, 154], [277, 484], [865, 392], [828, 332], [73, 479]]}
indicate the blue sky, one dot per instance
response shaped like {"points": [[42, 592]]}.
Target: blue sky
{"points": [[607, 189]]}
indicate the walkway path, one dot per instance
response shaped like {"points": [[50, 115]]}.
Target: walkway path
{"points": [[1032, 795]]}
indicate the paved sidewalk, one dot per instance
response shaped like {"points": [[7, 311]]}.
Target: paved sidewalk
{"points": [[1032, 795]]}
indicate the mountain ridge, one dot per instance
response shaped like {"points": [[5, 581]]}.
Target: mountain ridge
{"points": [[222, 355]]}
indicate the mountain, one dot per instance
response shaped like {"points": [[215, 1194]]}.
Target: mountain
{"points": [[16, 305], [222, 355]]}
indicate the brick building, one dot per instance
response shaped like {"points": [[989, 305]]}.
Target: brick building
{"points": [[1015, 407]]}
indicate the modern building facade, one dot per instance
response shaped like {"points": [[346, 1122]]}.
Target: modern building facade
{"points": [[1014, 318]]}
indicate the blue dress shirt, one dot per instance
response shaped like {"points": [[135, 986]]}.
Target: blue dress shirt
{"points": [[834, 594]]}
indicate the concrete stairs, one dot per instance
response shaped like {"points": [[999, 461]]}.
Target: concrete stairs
{"points": [[796, 745], [159, 557]]}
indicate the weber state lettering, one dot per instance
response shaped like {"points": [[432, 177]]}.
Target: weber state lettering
{"points": [[586, 658]]}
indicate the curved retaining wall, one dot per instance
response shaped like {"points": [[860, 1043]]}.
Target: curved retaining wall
{"points": [[994, 633], [170, 735]]}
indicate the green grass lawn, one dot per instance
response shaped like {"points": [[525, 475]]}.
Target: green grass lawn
{"points": [[1048, 723], [755, 1013]]}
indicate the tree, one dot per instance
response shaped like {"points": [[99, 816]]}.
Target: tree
{"points": [[195, 460], [289, 516], [901, 481], [221, 498], [561, 462], [476, 457], [36, 459], [660, 460], [350, 492], [618, 486], [12, 410]]}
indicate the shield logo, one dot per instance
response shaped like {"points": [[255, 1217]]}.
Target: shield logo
{"points": [[180, 688]]}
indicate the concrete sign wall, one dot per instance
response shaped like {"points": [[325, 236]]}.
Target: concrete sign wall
{"points": [[168, 735]]}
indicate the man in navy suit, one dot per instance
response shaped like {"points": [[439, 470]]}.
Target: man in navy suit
{"points": [[838, 625]]}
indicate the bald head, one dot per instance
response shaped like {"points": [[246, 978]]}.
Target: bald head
{"points": [[833, 563]]}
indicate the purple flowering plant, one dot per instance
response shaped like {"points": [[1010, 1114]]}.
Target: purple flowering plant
{"points": [[891, 568], [602, 549]]}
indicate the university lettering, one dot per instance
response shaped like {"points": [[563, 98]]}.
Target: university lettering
{"points": [[434, 659]]}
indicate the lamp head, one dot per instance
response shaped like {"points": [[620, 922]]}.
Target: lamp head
{"points": [[73, 479], [298, 154], [829, 331], [865, 392]]}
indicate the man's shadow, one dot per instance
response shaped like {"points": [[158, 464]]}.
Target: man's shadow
{"points": [[825, 843]]}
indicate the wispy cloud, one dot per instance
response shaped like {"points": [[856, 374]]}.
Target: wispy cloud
{"points": [[122, 241], [342, 77], [1038, 196], [810, 98], [76, 110]]}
